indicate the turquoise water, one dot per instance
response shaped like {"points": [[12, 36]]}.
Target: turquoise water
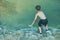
{"points": [[27, 33], [16, 15], [13, 12]]}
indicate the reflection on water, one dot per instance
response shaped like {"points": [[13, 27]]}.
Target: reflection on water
{"points": [[27, 33]]}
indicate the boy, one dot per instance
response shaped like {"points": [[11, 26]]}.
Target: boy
{"points": [[43, 19]]}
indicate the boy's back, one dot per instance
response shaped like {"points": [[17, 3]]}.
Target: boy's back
{"points": [[41, 15]]}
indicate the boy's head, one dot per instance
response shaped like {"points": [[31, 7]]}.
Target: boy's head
{"points": [[38, 7]]}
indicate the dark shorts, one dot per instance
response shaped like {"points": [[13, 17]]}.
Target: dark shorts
{"points": [[43, 22]]}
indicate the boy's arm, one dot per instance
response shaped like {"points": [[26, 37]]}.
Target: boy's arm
{"points": [[34, 19]]}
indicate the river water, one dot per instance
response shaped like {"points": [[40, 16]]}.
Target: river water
{"points": [[27, 33]]}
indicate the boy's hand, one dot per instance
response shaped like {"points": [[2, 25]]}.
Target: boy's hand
{"points": [[30, 25]]}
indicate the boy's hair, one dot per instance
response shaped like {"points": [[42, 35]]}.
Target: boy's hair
{"points": [[38, 7]]}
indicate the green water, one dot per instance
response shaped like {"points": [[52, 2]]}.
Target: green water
{"points": [[22, 11], [16, 12]]}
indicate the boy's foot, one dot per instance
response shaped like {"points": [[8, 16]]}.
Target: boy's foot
{"points": [[41, 35], [48, 33]]}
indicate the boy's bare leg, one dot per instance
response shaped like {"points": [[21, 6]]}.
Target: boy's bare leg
{"points": [[46, 27], [40, 30]]}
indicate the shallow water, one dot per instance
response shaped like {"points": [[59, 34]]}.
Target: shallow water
{"points": [[27, 33], [15, 14]]}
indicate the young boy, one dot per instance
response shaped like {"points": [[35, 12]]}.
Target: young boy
{"points": [[43, 19]]}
